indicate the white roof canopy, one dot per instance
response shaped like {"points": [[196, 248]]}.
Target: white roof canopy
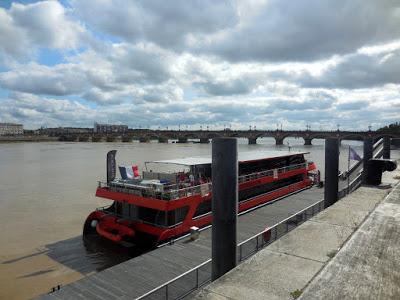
{"points": [[242, 157]]}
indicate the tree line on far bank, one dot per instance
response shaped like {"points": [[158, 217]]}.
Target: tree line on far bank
{"points": [[392, 128]]}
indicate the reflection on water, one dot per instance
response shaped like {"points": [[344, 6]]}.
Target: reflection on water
{"points": [[47, 191]]}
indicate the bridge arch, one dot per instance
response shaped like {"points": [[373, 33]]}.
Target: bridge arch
{"points": [[191, 136], [303, 140], [352, 137], [235, 135], [152, 137], [213, 135]]}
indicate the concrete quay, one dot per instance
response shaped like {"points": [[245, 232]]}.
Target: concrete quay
{"points": [[348, 251]]}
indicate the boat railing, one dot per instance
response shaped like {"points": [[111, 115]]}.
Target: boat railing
{"points": [[150, 192], [174, 191], [191, 280], [252, 176]]}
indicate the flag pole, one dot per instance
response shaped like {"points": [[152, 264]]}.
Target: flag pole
{"points": [[348, 172]]}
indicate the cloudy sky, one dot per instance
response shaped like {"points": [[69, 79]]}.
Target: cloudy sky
{"points": [[197, 63]]}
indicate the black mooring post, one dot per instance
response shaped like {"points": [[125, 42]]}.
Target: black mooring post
{"points": [[386, 147], [224, 205], [331, 171], [368, 149]]}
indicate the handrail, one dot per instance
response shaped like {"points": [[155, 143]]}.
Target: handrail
{"points": [[356, 182], [378, 142], [377, 154], [173, 280]]}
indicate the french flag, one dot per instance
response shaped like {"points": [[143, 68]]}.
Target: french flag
{"points": [[129, 172]]}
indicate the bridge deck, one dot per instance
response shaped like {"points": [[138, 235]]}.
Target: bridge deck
{"points": [[141, 274]]}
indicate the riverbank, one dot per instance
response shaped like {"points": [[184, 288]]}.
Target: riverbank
{"points": [[23, 138]]}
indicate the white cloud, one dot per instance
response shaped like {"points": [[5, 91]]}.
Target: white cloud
{"points": [[307, 30], [43, 24], [202, 62], [358, 71], [165, 23], [36, 111], [62, 79]]}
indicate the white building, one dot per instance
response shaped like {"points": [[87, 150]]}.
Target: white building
{"points": [[109, 128], [11, 129]]}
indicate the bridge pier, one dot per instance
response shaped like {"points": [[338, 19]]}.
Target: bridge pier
{"points": [[278, 141], [144, 140], [307, 141], [83, 138], [204, 141], [110, 138], [163, 140], [96, 138], [182, 140], [127, 139], [252, 141]]}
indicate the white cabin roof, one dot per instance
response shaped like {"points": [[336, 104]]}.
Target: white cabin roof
{"points": [[242, 157]]}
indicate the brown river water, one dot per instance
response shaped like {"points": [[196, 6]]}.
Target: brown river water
{"points": [[47, 191]]}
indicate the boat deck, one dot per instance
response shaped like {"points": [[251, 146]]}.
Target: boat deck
{"points": [[141, 274]]}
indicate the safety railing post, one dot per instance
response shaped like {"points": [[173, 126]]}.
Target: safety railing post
{"points": [[257, 243], [197, 278]]}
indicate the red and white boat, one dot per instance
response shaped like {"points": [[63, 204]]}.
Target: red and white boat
{"points": [[159, 206]]}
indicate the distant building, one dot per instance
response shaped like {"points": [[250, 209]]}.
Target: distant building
{"points": [[64, 130], [109, 128], [11, 129]]}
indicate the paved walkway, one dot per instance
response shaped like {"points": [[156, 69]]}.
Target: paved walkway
{"points": [[366, 267]]}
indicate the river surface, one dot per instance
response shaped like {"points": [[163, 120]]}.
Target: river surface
{"points": [[47, 191]]}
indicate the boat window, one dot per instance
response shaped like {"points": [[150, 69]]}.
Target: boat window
{"points": [[265, 188], [203, 208], [269, 164], [176, 216], [296, 159], [160, 217], [261, 165]]}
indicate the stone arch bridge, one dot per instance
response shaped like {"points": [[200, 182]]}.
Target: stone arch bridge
{"points": [[204, 136]]}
